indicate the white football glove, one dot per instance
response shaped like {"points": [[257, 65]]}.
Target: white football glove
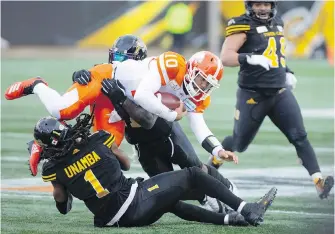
{"points": [[291, 80], [259, 60]]}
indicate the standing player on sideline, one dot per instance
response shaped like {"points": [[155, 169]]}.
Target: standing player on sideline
{"points": [[255, 42]]}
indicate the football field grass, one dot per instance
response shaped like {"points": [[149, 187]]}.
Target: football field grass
{"points": [[27, 205]]}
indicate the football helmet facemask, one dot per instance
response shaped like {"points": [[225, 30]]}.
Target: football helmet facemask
{"points": [[204, 71], [127, 47], [262, 15]]}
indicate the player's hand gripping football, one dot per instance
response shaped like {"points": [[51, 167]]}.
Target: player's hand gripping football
{"points": [[181, 111], [228, 156]]}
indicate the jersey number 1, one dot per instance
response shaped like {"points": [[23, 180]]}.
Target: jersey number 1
{"points": [[271, 52], [90, 177]]}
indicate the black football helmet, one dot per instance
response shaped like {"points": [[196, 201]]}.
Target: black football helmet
{"points": [[250, 12], [127, 47], [58, 138], [50, 133]]}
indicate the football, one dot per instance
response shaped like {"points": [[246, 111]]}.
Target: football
{"points": [[169, 100]]}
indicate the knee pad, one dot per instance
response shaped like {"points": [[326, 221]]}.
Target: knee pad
{"points": [[297, 137], [240, 145]]}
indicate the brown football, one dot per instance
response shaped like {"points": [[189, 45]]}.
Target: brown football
{"points": [[169, 100]]}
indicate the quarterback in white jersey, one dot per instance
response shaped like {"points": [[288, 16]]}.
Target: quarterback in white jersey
{"points": [[192, 81]]}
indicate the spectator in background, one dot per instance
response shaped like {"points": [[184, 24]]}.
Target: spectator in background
{"points": [[179, 21]]}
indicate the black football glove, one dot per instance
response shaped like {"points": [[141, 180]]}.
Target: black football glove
{"points": [[82, 77], [114, 90]]}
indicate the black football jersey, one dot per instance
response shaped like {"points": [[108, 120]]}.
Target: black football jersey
{"points": [[93, 174], [262, 39]]}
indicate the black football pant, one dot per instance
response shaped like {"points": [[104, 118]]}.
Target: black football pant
{"points": [[283, 109], [159, 156], [162, 193]]}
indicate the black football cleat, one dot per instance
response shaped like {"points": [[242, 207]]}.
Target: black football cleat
{"points": [[254, 212], [323, 186]]}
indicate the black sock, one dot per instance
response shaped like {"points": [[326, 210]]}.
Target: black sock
{"points": [[212, 187]]}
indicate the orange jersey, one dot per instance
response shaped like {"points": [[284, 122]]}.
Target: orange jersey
{"points": [[87, 95], [172, 69]]}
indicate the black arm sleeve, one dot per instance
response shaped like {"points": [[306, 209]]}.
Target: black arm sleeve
{"points": [[139, 115], [66, 206]]}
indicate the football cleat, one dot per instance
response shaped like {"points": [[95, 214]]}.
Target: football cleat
{"points": [[22, 88], [254, 212], [234, 218], [323, 186]]}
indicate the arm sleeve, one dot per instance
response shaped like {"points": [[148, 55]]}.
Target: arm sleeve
{"points": [[143, 117], [72, 103], [145, 97], [48, 172], [200, 129]]}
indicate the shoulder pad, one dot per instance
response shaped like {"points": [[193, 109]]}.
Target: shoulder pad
{"points": [[48, 171], [238, 25], [203, 105], [278, 21], [103, 136], [171, 65]]}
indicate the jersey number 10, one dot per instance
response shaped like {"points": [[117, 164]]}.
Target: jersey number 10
{"points": [[271, 52], [170, 60]]}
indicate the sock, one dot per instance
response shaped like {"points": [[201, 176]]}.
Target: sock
{"points": [[316, 176], [240, 207]]}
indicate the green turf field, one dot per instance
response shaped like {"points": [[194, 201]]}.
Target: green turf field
{"points": [[269, 161]]}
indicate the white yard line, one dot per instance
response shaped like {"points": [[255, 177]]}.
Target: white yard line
{"points": [[251, 183], [253, 149], [299, 213]]}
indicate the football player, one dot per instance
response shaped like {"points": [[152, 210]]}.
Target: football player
{"points": [[77, 97], [88, 167], [192, 81], [255, 42], [166, 144]]}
